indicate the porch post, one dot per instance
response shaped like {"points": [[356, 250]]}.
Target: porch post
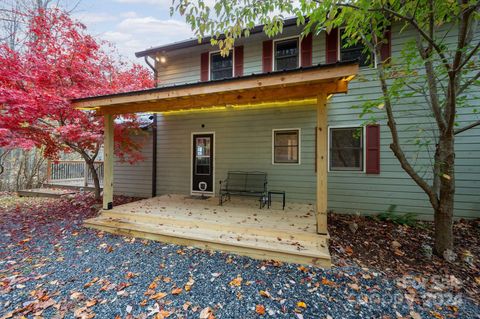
{"points": [[108, 162], [322, 145]]}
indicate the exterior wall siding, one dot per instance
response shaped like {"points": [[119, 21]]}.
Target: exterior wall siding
{"points": [[244, 137], [243, 142], [135, 179]]}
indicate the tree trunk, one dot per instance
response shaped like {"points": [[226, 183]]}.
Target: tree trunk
{"points": [[96, 180], [444, 210]]}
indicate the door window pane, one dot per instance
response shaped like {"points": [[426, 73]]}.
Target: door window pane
{"points": [[286, 146], [202, 156], [286, 54], [346, 149], [221, 67]]}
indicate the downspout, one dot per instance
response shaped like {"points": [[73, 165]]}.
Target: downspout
{"points": [[154, 133]]}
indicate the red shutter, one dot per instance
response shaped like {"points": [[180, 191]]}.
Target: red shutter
{"points": [[204, 57], [238, 57], [267, 56], [372, 165], [386, 49], [331, 46], [307, 50]]}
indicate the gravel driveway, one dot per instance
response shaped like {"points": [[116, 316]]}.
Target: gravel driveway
{"points": [[50, 266]]}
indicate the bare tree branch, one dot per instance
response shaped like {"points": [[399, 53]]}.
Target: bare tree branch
{"points": [[466, 128], [468, 83], [468, 57]]}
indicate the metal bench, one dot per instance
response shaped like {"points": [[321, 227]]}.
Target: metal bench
{"points": [[244, 184]]}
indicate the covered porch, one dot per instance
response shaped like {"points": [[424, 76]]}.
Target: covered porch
{"points": [[313, 85]]}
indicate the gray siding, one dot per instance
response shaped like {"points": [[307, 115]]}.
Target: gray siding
{"points": [[244, 137], [135, 179], [243, 141]]}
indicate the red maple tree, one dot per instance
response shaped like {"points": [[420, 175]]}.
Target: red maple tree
{"points": [[61, 62]]}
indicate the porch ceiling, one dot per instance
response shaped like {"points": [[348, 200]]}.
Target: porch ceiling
{"points": [[302, 84]]}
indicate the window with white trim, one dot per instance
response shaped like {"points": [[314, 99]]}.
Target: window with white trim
{"points": [[355, 52], [221, 67], [286, 54], [346, 148], [286, 146]]}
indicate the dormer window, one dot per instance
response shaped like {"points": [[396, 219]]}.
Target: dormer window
{"points": [[221, 67], [356, 52], [286, 54]]}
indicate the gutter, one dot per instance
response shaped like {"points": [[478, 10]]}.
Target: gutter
{"points": [[154, 156], [206, 40]]}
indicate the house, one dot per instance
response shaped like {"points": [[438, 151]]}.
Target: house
{"points": [[283, 106]]}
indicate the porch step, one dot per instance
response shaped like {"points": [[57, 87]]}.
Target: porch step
{"points": [[239, 226], [311, 249], [44, 192]]}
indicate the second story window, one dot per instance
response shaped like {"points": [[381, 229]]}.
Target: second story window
{"points": [[221, 67], [286, 54], [355, 52]]}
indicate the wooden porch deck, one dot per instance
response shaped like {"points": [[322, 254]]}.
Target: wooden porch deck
{"points": [[239, 227]]}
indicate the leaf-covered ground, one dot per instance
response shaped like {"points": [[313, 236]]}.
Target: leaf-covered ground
{"points": [[396, 249], [52, 267]]}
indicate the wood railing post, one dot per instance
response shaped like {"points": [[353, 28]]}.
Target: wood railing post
{"points": [[322, 149], [108, 162]]}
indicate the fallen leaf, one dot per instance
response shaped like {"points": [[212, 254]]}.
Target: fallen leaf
{"points": [[130, 275], [163, 314], [436, 314], [260, 309], [354, 287], [236, 282], [177, 291], [301, 304], [302, 269], [349, 250], [205, 313], [327, 282], [189, 284], [153, 285], [158, 295], [265, 294]]}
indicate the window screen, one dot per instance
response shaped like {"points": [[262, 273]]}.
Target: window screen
{"points": [[221, 67], [286, 54], [346, 149], [286, 146]]}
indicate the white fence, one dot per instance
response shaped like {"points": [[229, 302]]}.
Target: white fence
{"points": [[72, 173]]}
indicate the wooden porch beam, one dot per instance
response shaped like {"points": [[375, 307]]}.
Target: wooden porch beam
{"points": [[322, 149], [262, 95], [108, 162], [303, 77]]}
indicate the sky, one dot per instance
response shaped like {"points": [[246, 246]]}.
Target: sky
{"points": [[132, 25]]}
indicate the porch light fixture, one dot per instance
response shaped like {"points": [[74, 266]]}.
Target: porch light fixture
{"points": [[162, 59]]}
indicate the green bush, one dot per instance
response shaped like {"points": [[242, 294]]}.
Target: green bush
{"points": [[406, 219]]}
